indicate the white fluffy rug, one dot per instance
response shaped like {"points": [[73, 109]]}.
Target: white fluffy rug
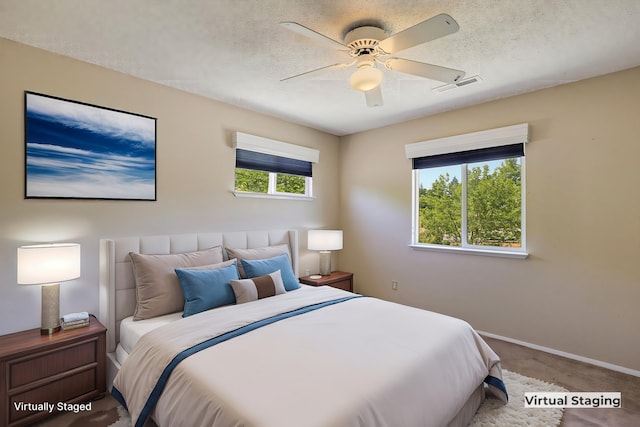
{"points": [[492, 412], [514, 414]]}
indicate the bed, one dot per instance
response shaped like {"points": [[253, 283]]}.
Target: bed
{"points": [[303, 356]]}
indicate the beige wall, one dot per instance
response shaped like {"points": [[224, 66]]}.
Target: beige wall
{"points": [[195, 164], [579, 290]]}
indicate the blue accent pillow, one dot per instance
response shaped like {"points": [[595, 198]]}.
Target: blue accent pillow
{"points": [[262, 267], [207, 289]]}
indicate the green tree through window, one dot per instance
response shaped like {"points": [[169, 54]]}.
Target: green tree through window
{"points": [[252, 181], [440, 220], [493, 205], [255, 181], [291, 184]]}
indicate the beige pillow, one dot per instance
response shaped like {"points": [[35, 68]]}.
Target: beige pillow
{"points": [[256, 253], [212, 266], [256, 288], [158, 289]]}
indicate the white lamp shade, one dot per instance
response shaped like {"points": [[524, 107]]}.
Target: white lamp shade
{"points": [[366, 78], [324, 240], [51, 263]]}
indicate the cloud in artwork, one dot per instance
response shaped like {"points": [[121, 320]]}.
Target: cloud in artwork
{"points": [[70, 172], [82, 151], [111, 123]]}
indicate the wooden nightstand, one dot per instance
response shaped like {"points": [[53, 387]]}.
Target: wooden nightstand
{"points": [[69, 366], [337, 279]]}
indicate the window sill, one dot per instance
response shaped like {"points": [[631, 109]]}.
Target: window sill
{"points": [[471, 251], [248, 194]]}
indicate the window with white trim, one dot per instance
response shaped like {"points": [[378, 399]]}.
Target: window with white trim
{"points": [[269, 168], [469, 192]]}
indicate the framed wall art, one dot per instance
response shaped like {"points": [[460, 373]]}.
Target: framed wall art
{"points": [[75, 150]]}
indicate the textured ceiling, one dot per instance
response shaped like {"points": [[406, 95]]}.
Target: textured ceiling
{"points": [[235, 51]]}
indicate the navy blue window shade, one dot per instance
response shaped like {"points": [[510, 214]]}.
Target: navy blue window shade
{"points": [[246, 159], [471, 156]]}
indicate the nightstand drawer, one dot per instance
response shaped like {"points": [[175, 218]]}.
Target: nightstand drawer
{"points": [[79, 386], [342, 284], [32, 368], [39, 371]]}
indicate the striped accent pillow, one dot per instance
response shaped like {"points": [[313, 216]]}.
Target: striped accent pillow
{"points": [[256, 288]]}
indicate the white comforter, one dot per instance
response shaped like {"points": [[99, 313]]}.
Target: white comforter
{"points": [[362, 362]]}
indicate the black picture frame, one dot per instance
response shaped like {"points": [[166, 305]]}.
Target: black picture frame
{"points": [[76, 150]]}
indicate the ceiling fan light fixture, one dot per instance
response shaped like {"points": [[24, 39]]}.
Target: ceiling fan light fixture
{"points": [[366, 78], [369, 45]]}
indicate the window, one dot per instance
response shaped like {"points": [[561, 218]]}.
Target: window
{"points": [[268, 168], [468, 192]]}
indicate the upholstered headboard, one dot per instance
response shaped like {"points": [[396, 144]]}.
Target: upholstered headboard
{"points": [[117, 284]]}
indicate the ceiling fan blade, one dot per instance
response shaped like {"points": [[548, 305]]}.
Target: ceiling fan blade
{"points": [[307, 32], [421, 69], [374, 97], [316, 72], [431, 29]]}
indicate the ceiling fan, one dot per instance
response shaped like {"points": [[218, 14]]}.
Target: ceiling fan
{"points": [[369, 46]]}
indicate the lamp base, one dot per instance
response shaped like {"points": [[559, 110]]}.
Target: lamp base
{"points": [[50, 309], [325, 263], [50, 331]]}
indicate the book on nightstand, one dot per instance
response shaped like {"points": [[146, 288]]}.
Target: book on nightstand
{"points": [[74, 324], [75, 320]]}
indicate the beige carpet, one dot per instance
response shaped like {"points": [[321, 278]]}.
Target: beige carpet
{"points": [[124, 421], [577, 377]]}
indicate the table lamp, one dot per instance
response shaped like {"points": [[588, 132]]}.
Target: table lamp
{"points": [[48, 265], [324, 241]]}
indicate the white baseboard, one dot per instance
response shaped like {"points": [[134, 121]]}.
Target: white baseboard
{"points": [[565, 354]]}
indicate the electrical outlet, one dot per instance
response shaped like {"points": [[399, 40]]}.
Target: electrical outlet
{"points": [[394, 285]]}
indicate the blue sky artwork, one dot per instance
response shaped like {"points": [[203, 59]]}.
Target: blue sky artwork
{"points": [[76, 150]]}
